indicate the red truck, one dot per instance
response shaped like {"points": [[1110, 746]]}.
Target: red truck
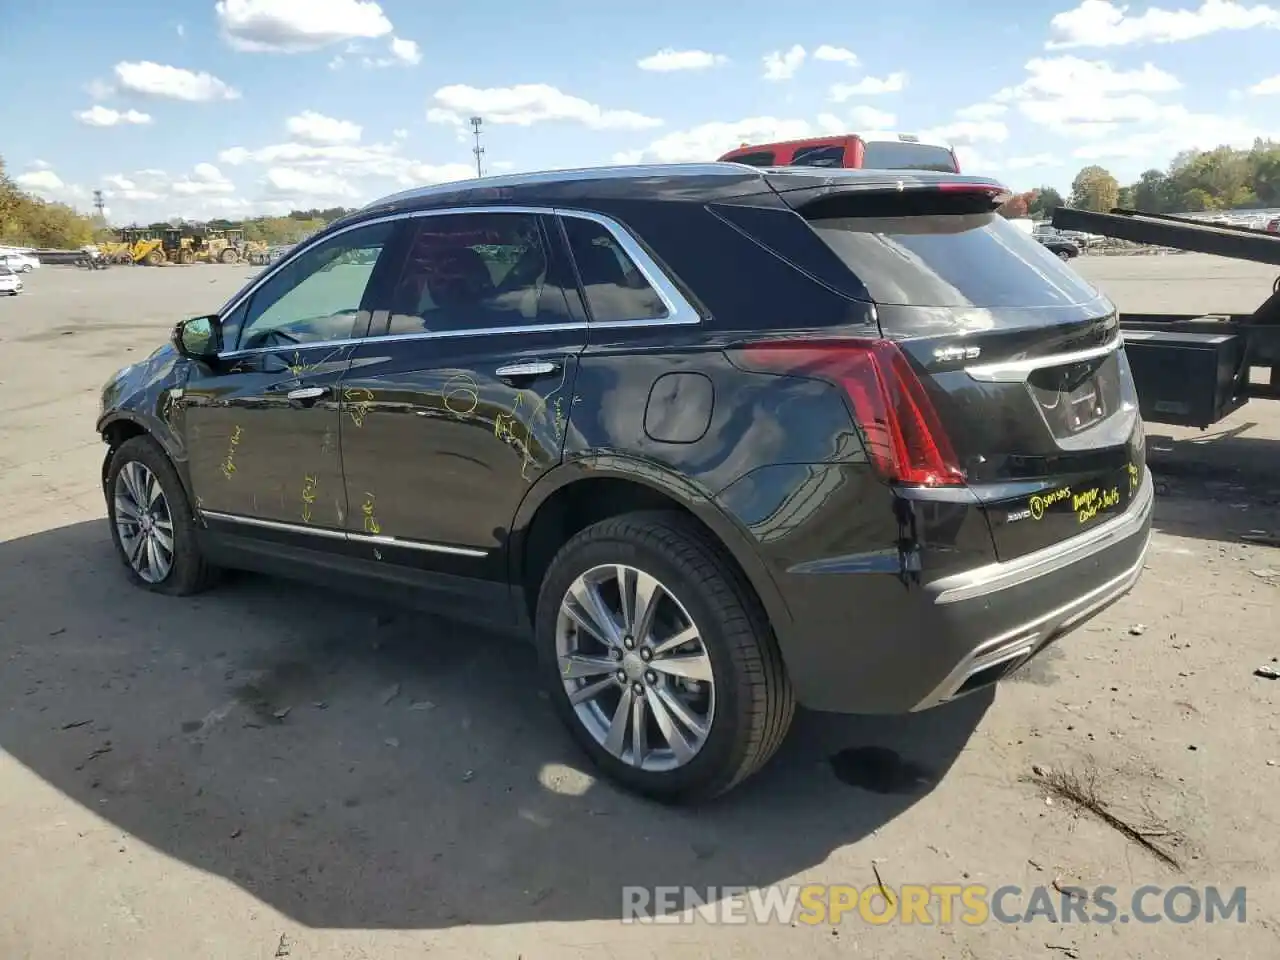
{"points": [[902, 151]]}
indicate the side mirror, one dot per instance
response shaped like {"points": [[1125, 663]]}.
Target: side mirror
{"points": [[199, 338]]}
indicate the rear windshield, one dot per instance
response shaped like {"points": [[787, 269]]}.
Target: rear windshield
{"points": [[899, 155], [972, 260]]}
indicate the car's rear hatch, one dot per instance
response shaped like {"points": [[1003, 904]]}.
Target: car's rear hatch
{"points": [[1020, 357]]}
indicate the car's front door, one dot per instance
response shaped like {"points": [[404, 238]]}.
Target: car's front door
{"points": [[460, 400], [261, 425]]}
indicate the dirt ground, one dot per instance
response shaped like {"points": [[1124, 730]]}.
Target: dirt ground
{"points": [[273, 771]]}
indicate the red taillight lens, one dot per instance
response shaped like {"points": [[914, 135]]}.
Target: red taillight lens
{"points": [[903, 436]]}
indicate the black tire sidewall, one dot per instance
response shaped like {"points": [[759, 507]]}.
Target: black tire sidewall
{"points": [[720, 758], [188, 568]]}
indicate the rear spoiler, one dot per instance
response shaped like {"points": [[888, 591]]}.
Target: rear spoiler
{"points": [[816, 195]]}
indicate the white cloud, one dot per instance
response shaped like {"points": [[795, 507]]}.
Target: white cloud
{"points": [[287, 181], [181, 30], [868, 86], [969, 132], [869, 118], [312, 127], [526, 104], [982, 111], [1100, 23], [40, 181], [400, 133], [173, 83], [371, 170], [293, 26], [782, 65], [204, 179], [1032, 162], [405, 51], [40, 164], [1171, 130], [100, 116], [1088, 98], [669, 59], [711, 140], [1266, 87], [99, 89], [836, 55]]}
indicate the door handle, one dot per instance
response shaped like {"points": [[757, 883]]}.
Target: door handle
{"points": [[307, 393], [527, 370]]}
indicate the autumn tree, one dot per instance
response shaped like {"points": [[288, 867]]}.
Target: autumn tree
{"points": [[1094, 188], [1018, 205]]}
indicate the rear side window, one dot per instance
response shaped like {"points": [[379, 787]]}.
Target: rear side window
{"points": [[761, 158], [827, 156], [476, 272], [901, 155], [615, 289], [971, 260]]}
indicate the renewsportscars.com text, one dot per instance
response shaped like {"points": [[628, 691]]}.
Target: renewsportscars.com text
{"points": [[932, 904]]}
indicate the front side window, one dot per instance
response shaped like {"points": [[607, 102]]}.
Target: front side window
{"points": [[615, 289], [317, 295], [477, 272]]}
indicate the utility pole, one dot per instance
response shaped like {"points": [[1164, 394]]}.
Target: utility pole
{"points": [[478, 150]]}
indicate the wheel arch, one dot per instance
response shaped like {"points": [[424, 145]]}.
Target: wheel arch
{"points": [[121, 426], [575, 495]]}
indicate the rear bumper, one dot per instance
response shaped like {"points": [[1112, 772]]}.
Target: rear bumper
{"points": [[896, 650]]}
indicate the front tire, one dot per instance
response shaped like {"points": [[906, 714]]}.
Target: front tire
{"points": [[1064, 256], [152, 525], [659, 658]]}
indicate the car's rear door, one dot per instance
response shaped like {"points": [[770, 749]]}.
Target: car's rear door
{"points": [[459, 399]]}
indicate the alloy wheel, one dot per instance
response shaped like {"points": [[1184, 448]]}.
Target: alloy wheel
{"points": [[144, 522], [635, 668]]}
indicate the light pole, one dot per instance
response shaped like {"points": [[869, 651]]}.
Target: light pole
{"points": [[478, 150]]}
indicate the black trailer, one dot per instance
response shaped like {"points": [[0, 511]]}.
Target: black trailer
{"points": [[1194, 369]]}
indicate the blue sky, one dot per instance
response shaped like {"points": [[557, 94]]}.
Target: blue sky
{"points": [[242, 106]]}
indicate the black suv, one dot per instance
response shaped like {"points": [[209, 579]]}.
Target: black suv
{"points": [[721, 440]]}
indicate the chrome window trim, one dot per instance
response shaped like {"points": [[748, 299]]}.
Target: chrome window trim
{"points": [[680, 312], [347, 535]]}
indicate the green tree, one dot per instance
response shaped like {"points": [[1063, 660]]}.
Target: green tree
{"points": [[1094, 188], [1154, 193], [1047, 200]]}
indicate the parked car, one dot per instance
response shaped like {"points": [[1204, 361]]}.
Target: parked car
{"points": [[892, 151], [1273, 225], [10, 282], [20, 262], [877, 452], [1060, 247]]}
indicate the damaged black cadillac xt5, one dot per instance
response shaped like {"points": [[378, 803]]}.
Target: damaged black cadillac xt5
{"points": [[721, 440]]}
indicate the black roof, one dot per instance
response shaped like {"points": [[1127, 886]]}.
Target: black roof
{"points": [[692, 182]]}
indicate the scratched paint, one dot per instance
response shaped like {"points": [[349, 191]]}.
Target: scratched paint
{"points": [[309, 484], [229, 461], [357, 402], [371, 524]]}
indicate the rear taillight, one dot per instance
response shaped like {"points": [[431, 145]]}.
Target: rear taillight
{"points": [[903, 437]]}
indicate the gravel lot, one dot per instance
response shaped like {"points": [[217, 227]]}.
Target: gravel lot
{"points": [[418, 797]]}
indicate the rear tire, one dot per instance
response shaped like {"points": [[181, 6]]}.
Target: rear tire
{"points": [[699, 739], [152, 524]]}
